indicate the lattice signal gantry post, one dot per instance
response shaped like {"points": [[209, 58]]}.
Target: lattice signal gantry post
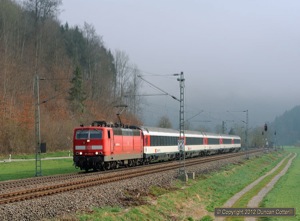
{"points": [[181, 145]]}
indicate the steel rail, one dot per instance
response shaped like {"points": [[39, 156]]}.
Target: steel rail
{"points": [[34, 192]]}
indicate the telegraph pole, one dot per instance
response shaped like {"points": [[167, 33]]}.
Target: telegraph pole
{"points": [[38, 161]]}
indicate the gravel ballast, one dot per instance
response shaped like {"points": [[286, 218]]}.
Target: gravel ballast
{"points": [[112, 194]]}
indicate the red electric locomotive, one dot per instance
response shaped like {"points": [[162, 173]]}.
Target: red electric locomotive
{"points": [[102, 146]]}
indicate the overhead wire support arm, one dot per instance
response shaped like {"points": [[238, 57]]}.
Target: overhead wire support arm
{"points": [[161, 90], [194, 116], [143, 95], [53, 97]]}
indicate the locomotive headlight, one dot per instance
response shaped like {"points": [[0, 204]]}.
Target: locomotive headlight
{"points": [[80, 153], [87, 141], [96, 153]]}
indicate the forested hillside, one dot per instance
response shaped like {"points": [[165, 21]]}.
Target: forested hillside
{"points": [[80, 79], [287, 127]]}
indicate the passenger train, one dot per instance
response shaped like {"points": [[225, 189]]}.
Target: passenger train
{"points": [[102, 146]]}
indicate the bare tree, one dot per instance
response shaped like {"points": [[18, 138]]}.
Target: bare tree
{"points": [[164, 122], [123, 73], [42, 9], [133, 99], [93, 44], [127, 83]]}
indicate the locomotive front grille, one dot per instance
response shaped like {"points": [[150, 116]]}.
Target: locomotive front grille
{"points": [[80, 147]]}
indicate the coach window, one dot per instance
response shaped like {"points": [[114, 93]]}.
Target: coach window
{"points": [[213, 141], [226, 141], [156, 141], [108, 134], [237, 141], [153, 141], [161, 141], [176, 140]]}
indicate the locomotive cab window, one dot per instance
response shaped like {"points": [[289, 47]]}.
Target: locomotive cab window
{"points": [[95, 134], [88, 134], [82, 134]]}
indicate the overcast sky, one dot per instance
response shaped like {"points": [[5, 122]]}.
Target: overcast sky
{"points": [[235, 54]]}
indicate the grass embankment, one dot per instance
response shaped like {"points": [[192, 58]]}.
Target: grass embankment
{"points": [[32, 156], [26, 169], [286, 192], [195, 200]]}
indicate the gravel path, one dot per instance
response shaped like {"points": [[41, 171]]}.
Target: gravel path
{"points": [[256, 201]]}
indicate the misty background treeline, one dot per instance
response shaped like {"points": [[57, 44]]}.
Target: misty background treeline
{"points": [[80, 81]]}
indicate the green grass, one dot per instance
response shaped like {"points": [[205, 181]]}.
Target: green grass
{"points": [[286, 192], [64, 153], [26, 169], [195, 200]]}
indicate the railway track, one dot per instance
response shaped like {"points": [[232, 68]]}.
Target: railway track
{"points": [[78, 181], [7, 185]]}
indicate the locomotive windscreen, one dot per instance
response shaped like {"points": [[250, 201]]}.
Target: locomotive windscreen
{"points": [[88, 134]]}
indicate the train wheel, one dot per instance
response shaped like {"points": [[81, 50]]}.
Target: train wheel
{"points": [[131, 163], [103, 166], [134, 163], [107, 166], [113, 165]]}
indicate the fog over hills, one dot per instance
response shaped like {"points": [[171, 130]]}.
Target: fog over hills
{"points": [[287, 127], [235, 55]]}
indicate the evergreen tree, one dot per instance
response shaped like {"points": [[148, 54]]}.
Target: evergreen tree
{"points": [[77, 95], [231, 132]]}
